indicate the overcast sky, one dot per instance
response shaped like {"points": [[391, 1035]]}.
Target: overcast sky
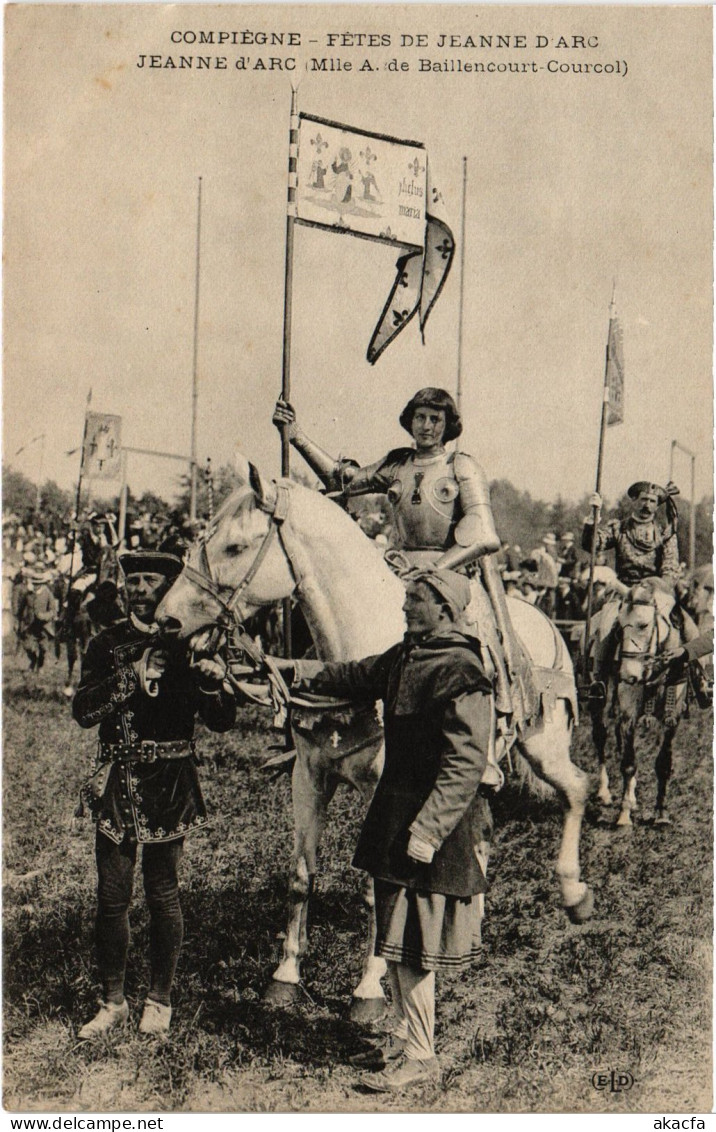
{"points": [[573, 180]]}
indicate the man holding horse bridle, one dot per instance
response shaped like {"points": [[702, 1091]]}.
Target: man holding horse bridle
{"points": [[145, 789], [643, 548], [417, 838]]}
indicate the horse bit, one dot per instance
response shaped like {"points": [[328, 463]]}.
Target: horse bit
{"points": [[228, 622]]}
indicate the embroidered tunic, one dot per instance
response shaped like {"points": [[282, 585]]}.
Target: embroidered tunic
{"points": [[156, 800], [642, 550]]}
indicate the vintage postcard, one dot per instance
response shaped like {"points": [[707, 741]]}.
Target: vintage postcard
{"points": [[330, 331]]}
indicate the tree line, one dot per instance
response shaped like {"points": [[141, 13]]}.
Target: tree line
{"points": [[520, 519]]}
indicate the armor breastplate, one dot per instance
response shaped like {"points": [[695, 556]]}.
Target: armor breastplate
{"points": [[425, 502]]}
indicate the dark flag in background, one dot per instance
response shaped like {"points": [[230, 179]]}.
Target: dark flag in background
{"points": [[614, 381]]}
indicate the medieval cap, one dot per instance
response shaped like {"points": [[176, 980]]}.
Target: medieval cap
{"points": [[451, 587], [567, 537], [550, 539], [643, 487], [150, 562]]}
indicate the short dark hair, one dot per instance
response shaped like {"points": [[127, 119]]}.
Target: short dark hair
{"points": [[433, 398]]}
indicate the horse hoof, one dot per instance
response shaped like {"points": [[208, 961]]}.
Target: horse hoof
{"points": [[365, 1010], [623, 821], [582, 911], [662, 818], [281, 994]]}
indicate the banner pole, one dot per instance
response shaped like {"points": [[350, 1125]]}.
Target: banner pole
{"points": [[209, 477], [78, 497], [598, 489], [121, 530], [194, 381], [287, 312], [458, 395]]}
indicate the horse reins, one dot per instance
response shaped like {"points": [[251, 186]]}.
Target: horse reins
{"points": [[637, 654], [201, 574]]}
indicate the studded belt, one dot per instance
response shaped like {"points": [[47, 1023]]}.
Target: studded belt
{"points": [[146, 751]]}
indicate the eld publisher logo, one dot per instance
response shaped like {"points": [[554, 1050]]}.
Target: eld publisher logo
{"points": [[612, 1081]]}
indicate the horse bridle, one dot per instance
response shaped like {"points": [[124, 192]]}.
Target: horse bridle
{"points": [[640, 654], [201, 573]]}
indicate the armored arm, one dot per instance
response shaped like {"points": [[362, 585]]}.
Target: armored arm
{"points": [[334, 473], [475, 533]]}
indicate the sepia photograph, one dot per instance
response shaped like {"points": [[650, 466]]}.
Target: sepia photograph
{"points": [[357, 526]]}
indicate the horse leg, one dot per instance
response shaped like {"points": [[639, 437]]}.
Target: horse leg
{"points": [[310, 796], [599, 738], [369, 998], [547, 750], [625, 744], [663, 766]]}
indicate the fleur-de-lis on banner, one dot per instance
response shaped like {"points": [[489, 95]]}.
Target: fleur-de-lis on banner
{"points": [[416, 167], [319, 144], [445, 248], [369, 156], [398, 317]]}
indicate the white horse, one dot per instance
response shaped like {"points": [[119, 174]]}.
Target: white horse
{"points": [[644, 631], [271, 540]]}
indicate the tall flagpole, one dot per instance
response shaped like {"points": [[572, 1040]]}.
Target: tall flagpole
{"points": [[39, 474], [458, 397], [287, 311], [288, 276], [78, 495], [123, 492], [194, 385], [598, 486]]}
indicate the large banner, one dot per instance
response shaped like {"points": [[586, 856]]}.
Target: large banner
{"points": [[103, 446], [366, 184], [360, 182]]}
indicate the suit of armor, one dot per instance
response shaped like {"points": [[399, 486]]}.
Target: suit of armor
{"points": [[442, 518], [439, 503]]}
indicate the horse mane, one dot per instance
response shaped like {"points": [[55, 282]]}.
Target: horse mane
{"points": [[652, 588], [351, 599]]}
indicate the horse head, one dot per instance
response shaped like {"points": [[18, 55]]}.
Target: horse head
{"points": [[238, 566], [645, 627]]}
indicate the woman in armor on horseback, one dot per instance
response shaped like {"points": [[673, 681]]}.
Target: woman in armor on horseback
{"points": [[442, 519]]}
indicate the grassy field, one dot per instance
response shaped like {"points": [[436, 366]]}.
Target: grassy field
{"points": [[547, 1005]]}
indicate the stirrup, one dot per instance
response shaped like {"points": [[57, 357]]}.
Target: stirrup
{"points": [[595, 692]]}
